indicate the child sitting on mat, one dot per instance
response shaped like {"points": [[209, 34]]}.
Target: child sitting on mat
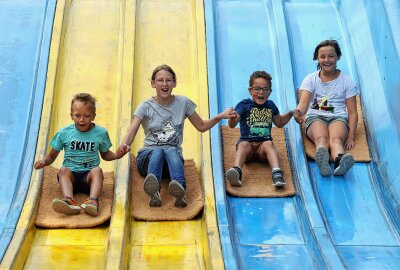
{"points": [[162, 118], [256, 116], [328, 108], [82, 142]]}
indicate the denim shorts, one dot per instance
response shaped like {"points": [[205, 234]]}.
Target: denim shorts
{"points": [[80, 184], [326, 120]]}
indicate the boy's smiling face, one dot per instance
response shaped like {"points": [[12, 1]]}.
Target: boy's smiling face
{"points": [[260, 90]]}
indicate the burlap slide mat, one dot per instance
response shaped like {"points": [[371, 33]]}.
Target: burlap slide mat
{"points": [[257, 176], [48, 218], [360, 151], [167, 212]]}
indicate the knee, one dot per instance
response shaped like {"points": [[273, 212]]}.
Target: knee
{"points": [[64, 172], [157, 152], [268, 146], [244, 146], [172, 151], [336, 141], [97, 171]]}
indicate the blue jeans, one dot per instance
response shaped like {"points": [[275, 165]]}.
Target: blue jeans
{"points": [[162, 162]]}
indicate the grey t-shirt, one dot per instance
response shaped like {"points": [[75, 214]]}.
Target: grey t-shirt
{"points": [[163, 125]]}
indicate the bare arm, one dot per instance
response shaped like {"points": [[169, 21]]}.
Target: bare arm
{"points": [[129, 137], [204, 125], [109, 155], [49, 159], [302, 107], [351, 104], [281, 120]]}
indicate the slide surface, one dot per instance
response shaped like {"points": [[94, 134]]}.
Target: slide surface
{"points": [[85, 56], [349, 222], [172, 33], [109, 49], [346, 222], [24, 48]]}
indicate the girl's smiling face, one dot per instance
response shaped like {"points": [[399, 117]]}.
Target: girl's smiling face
{"points": [[327, 58], [260, 90], [163, 83]]}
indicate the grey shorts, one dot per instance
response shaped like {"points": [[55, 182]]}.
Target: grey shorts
{"points": [[326, 120]]}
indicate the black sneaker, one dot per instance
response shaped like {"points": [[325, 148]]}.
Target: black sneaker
{"points": [[277, 178], [176, 190], [343, 162], [322, 160], [234, 176], [152, 187]]}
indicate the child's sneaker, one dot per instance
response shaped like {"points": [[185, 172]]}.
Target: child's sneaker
{"points": [[152, 188], [66, 205], [176, 190], [234, 176], [277, 178], [322, 160], [343, 162], [91, 206]]}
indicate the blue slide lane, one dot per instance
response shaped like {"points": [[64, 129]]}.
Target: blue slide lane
{"points": [[25, 35], [349, 222]]}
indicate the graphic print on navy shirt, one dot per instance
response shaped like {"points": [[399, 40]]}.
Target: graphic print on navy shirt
{"points": [[256, 120]]}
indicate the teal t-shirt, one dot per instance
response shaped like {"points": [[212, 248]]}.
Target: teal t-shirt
{"points": [[81, 148]]}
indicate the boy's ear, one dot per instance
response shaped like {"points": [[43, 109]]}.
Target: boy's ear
{"points": [[249, 90]]}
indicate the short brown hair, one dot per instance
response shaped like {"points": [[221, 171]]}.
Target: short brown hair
{"points": [[260, 74], [86, 99], [163, 67]]}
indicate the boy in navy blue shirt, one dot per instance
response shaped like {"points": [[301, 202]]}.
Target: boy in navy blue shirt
{"points": [[256, 116]]}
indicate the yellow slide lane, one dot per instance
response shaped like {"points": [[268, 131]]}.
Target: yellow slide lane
{"points": [[173, 33], [87, 55]]}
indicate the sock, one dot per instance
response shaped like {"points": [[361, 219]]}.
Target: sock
{"points": [[275, 169]]}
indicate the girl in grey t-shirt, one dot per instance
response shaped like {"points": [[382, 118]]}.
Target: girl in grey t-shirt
{"points": [[162, 118]]}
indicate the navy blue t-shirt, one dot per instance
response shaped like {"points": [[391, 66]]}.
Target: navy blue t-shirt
{"points": [[256, 120]]}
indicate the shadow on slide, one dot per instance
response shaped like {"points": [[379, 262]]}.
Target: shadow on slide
{"points": [[25, 34], [332, 223]]}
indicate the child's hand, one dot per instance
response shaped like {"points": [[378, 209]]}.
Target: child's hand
{"points": [[122, 150], [39, 164], [230, 113], [298, 116]]}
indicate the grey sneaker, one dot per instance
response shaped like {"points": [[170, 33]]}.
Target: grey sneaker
{"points": [[176, 190], [343, 162], [234, 176], [152, 187], [277, 178], [322, 160], [66, 206]]}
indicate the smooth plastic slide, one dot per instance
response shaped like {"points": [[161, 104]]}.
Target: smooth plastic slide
{"points": [[109, 48], [86, 55], [333, 222], [25, 35], [173, 33]]}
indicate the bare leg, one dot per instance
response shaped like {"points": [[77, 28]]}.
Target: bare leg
{"points": [[66, 180], [318, 133], [337, 135], [244, 151], [95, 180], [267, 151]]}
